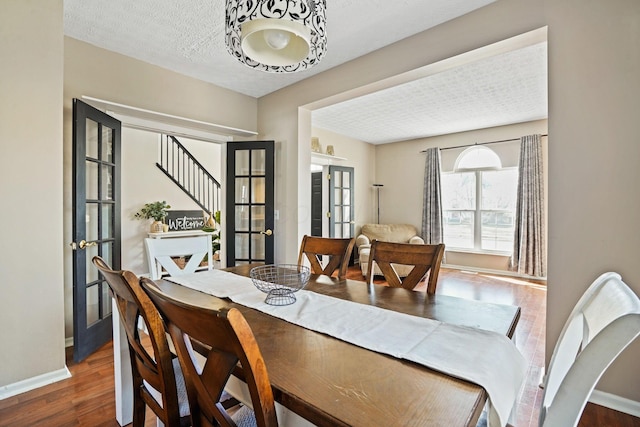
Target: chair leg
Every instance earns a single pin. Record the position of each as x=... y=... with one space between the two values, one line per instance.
x=139 y=410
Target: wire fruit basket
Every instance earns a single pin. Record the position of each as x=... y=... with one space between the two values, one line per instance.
x=280 y=281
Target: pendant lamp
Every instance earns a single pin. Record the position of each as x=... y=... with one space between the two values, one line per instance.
x=276 y=36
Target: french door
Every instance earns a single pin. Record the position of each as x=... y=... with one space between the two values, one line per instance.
x=250 y=203
x=96 y=223
x=341 y=198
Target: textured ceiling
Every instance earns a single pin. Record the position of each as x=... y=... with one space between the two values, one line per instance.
x=187 y=36
x=503 y=89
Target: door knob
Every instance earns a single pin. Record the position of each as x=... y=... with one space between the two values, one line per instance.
x=83 y=244
x=267 y=233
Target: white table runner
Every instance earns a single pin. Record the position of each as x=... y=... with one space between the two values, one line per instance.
x=486 y=358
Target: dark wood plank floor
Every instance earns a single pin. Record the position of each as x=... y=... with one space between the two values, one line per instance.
x=87 y=399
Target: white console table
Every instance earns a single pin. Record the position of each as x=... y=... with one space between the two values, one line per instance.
x=184 y=233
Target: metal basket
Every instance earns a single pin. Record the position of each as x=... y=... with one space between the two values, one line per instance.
x=280 y=281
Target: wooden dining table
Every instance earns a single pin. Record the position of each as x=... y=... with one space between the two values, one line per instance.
x=330 y=382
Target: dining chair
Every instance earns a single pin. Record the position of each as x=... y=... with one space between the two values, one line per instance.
x=604 y=321
x=424 y=259
x=338 y=250
x=158 y=381
x=161 y=254
x=228 y=340
x=602 y=324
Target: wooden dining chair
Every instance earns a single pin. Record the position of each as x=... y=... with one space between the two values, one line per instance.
x=161 y=254
x=230 y=345
x=338 y=250
x=158 y=381
x=424 y=259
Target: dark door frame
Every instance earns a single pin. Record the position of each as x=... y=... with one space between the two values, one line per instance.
x=251 y=234
x=106 y=212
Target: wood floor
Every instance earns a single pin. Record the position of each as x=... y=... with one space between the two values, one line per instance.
x=87 y=399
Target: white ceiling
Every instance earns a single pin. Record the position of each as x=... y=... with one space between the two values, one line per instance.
x=507 y=88
x=187 y=36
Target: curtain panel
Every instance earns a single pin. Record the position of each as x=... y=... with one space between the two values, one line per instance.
x=530 y=246
x=432 y=199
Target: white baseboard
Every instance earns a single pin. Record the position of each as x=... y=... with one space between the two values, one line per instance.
x=34 y=382
x=616 y=403
x=68 y=342
x=491 y=271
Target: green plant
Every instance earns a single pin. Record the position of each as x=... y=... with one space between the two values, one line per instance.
x=155 y=210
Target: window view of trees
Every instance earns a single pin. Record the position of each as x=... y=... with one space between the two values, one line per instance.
x=479 y=208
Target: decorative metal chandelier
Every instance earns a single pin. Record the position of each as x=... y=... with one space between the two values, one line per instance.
x=276 y=36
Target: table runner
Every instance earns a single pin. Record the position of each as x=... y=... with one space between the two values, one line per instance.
x=486 y=358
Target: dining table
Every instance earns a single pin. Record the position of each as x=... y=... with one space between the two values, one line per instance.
x=331 y=382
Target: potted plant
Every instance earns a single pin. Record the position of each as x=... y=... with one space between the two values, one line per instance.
x=156 y=211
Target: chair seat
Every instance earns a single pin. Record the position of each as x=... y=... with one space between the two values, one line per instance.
x=181 y=388
x=183 y=400
x=244 y=417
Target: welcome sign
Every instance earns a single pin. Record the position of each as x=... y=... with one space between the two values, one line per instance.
x=185 y=220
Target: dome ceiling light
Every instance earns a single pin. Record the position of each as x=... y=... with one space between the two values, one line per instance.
x=276 y=36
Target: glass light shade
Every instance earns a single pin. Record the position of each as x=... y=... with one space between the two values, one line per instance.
x=258 y=33
x=276 y=36
x=277 y=39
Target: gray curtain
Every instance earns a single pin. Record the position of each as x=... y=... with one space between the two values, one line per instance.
x=530 y=246
x=432 y=199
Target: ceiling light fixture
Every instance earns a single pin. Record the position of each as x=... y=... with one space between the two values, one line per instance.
x=277 y=36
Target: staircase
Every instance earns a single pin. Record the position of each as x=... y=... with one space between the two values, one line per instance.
x=187 y=173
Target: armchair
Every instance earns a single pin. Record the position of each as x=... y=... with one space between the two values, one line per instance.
x=395 y=233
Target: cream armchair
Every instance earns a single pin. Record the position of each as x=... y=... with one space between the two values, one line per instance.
x=396 y=233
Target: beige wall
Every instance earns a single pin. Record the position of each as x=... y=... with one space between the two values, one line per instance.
x=284 y=115
x=594 y=98
x=101 y=74
x=144 y=183
x=361 y=157
x=31 y=294
x=400 y=167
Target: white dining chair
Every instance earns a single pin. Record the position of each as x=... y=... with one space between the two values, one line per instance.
x=602 y=324
x=160 y=254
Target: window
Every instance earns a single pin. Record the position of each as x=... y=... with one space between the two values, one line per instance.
x=479 y=202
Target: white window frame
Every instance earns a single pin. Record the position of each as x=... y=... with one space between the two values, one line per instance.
x=477 y=220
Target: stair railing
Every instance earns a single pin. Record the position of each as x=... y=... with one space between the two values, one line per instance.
x=187 y=173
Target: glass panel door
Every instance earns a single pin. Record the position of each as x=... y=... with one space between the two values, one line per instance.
x=341 y=197
x=96 y=223
x=250 y=202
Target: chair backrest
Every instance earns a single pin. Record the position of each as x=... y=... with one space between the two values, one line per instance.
x=603 y=323
x=231 y=341
x=160 y=253
x=338 y=251
x=424 y=259
x=151 y=365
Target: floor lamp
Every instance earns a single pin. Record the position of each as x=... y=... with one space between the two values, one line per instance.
x=377 y=187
